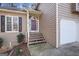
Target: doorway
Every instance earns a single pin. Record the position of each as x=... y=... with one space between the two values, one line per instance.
x=34 y=25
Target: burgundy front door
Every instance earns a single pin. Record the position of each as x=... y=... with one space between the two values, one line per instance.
x=33 y=25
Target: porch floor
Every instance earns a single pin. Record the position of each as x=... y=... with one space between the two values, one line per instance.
x=45 y=49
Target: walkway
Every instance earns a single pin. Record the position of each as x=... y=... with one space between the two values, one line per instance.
x=47 y=50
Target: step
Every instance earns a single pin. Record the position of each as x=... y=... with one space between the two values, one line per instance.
x=34 y=43
x=37 y=40
x=36 y=35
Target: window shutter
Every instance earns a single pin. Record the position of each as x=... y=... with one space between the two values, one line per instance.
x=2 y=23
x=20 y=24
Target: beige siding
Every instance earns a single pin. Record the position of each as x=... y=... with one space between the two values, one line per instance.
x=64 y=12
x=48 y=22
x=11 y=37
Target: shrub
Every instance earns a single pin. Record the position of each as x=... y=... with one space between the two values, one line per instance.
x=20 y=38
x=17 y=51
x=1 y=42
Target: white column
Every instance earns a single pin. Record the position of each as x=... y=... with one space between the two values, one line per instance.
x=57 y=28
x=38 y=22
x=28 y=28
x=10 y=44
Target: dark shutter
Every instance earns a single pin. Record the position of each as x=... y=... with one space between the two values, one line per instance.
x=20 y=24
x=2 y=23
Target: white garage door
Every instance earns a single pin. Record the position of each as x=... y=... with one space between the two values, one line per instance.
x=67 y=31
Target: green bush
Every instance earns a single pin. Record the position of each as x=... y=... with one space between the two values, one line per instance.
x=17 y=51
x=1 y=42
x=20 y=38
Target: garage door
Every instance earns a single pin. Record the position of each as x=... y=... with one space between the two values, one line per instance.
x=67 y=31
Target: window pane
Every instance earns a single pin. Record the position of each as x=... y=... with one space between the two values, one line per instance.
x=9 y=24
x=15 y=24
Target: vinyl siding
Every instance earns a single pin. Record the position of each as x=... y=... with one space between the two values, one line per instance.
x=64 y=11
x=48 y=22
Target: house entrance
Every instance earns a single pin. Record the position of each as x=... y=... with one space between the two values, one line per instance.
x=34 y=24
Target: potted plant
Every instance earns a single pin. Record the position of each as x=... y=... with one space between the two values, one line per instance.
x=1 y=42
x=20 y=38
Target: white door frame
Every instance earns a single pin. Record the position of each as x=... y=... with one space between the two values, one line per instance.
x=37 y=25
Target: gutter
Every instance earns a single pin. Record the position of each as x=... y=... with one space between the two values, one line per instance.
x=12 y=11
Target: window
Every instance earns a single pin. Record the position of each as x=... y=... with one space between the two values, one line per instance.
x=11 y=24
x=15 y=24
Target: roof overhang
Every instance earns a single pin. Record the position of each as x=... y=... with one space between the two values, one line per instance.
x=12 y=11
x=31 y=11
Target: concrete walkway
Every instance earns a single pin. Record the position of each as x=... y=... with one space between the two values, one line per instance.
x=45 y=49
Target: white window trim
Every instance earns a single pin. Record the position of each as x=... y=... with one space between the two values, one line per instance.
x=12 y=23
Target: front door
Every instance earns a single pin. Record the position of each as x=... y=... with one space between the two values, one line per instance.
x=34 y=25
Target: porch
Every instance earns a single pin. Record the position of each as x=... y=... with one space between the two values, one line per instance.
x=34 y=35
